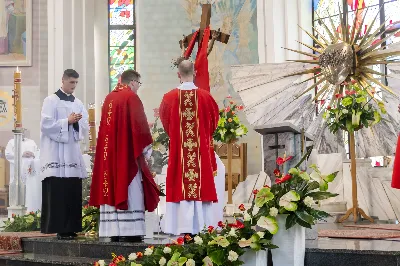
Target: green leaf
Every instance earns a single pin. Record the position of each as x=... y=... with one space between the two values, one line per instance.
x=305 y=217
x=347 y=101
x=302 y=223
x=313 y=185
x=361 y=99
x=323 y=186
x=255 y=246
x=294 y=171
x=290 y=221
x=263 y=196
x=331 y=177
x=217 y=256
x=317 y=214
x=305 y=176
x=321 y=195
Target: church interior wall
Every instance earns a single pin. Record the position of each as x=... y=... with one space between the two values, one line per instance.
x=34 y=77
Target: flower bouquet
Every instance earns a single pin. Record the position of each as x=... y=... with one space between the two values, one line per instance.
x=293 y=195
x=229 y=127
x=159 y=156
x=353 y=111
x=26 y=223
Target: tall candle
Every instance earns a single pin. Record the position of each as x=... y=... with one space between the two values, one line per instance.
x=17 y=100
x=92 y=127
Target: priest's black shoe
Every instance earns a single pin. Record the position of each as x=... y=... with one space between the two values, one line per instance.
x=131 y=239
x=64 y=236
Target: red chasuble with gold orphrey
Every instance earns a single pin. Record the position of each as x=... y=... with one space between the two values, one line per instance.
x=123 y=135
x=190 y=118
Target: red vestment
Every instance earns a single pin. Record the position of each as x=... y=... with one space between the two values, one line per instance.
x=123 y=135
x=190 y=118
x=396 y=167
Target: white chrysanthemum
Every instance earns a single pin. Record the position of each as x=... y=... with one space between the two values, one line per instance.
x=233 y=256
x=132 y=256
x=308 y=201
x=273 y=211
x=167 y=250
x=38 y=215
x=148 y=251
x=162 y=261
x=198 y=240
x=261 y=234
x=190 y=262
x=247 y=217
x=207 y=261
x=12 y=220
x=101 y=262
x=232 y=232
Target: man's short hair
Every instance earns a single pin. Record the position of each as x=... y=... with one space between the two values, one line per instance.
x=129 y=75
x=70 y=73
x=186 y=68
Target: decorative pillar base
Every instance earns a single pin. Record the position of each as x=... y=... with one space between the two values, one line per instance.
x=17 y=210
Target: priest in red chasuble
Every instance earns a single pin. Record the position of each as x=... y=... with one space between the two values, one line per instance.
x=122 y=184
x=189 y=116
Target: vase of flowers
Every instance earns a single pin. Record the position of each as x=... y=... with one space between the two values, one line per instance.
x=229 y=129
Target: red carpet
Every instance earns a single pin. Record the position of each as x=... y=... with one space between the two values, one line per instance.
x=359 y=234
x=11 y=241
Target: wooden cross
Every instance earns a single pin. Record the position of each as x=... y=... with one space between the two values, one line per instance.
x=205 y=22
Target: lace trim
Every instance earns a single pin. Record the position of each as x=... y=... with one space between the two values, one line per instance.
x=59 y=165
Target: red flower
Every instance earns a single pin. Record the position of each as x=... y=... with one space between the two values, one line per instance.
x=322 y=102
x=31 y=213
x=96 y=263
x=210 y=229
x=229 y=96
x=240 y=107
x=231 y=102
x=180 y=241
x=277 y=172
x=241 y=207
x=329 y=108
x=187 y=238
x=353 y=81
x=377 y=164
x=168 y=245
x=118 y=259
x=283 y=179
x=156 y=112
x=13 y=215
x=227 y=109
x=221 y=224
x=237 y=225
x=280 y=160
x=112 y=264
x=151 y=125
x=139 y=255
x=152 y=247
x=347 y=92
x=338 y=95
x=255 y=191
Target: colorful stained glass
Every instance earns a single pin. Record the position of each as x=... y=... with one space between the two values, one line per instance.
x=370 y=14
x=121 y=12
x=122 y=56
x=116 y=71
x=122 y=38
x=324 y=8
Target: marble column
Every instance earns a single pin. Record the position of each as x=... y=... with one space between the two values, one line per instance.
x=101 y=55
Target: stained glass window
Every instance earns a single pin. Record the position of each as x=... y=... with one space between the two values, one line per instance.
x=121 y=38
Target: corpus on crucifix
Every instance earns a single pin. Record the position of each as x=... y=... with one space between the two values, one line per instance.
x=202 y=37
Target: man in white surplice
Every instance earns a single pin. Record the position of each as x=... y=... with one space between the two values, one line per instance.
x=64 y=122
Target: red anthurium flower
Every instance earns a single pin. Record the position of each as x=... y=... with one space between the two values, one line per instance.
x=283 y=179
x=227 y=109
x=277 y=172
x=338 y=95
x=221 y=224
x=241 y=207
x=237 y=225
x=210 y=229
x=112 y=264
x=329 y=108
x=96 y=263
x=231 y=102
x=168 y=245
x=13 y=215
x=180 y=241
x=353 y=81
x=347 y=92
x=280 y=160
x=139 y=255
x=156 y=112
x=240 y=107
x=255 y=191
x=229 y=96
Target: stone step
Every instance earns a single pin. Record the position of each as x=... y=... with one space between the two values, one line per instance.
x=88 y=248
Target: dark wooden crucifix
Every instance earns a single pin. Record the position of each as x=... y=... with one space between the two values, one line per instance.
x=205 y=22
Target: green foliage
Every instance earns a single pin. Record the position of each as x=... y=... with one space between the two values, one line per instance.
x=27 y=223
x=353 y=111
x=229 y=126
